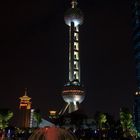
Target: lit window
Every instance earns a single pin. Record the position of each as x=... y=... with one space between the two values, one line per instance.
x=76 y=55
x=76 y=36
x=76 y=28
x=76 y=46
x=75 y=65
x=76 y=76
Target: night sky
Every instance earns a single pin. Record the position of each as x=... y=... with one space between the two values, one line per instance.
x=34 y=54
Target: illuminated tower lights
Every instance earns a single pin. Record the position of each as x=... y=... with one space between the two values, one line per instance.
x=25 y=110
x=136 y=46
x=25 y=101
x=73 y=93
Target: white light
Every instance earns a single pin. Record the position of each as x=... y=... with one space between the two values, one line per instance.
x=76 y=22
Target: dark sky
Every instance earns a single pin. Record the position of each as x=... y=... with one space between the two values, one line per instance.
x=34 y=48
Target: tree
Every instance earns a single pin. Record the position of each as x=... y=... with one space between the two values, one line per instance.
x=126 y=121
x=100 y=119
x=5 y=116
x=111 y=126
x=37 y=117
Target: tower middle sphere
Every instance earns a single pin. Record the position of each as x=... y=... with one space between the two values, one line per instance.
x=74 y=15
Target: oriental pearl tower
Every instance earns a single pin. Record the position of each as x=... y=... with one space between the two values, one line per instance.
x=73 y=92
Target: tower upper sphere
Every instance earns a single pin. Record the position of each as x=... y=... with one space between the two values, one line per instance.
x=74 y=15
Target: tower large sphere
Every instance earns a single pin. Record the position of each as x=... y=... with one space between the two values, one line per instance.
x=74 y=15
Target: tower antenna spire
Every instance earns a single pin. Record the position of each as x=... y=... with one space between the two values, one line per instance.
x=26 y=90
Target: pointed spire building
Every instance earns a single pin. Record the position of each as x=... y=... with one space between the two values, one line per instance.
x=73 y=93
x=24 y=110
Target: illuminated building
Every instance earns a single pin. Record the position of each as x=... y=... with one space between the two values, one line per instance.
x=136 y=46
x=32 y=121
x=73 y=93
x=25 y=110
x=52 y=114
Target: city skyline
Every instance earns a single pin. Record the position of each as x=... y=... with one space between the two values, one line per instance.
x=34 y=47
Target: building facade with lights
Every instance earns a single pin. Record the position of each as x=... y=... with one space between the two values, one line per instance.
x=136 y=46
x=25 y=112
x=73 y=93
